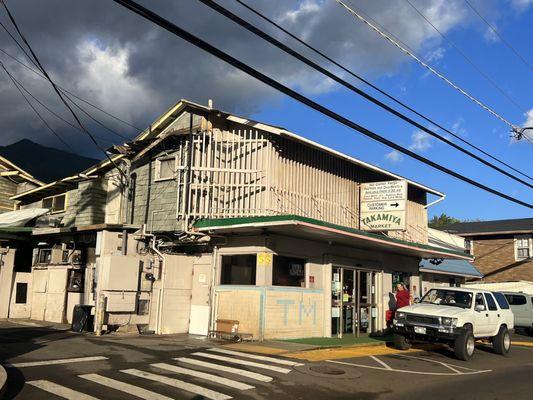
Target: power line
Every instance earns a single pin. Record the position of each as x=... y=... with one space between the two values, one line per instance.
x=493 y=29
x=468 y=59
x=40 y=66
x=66 y=92
x=411 y=54
x=35 y=110
x=370 y=84
x=196 y=41
x=50 y=110
x=215 y=6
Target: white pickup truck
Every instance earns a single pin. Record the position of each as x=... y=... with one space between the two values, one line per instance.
x=457 y=317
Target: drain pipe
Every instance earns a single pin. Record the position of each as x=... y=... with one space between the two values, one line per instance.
x=162 y=271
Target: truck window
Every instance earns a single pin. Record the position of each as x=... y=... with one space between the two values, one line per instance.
x=502 y=301
x=479 y=300
x=491 y=302
x=516 y=299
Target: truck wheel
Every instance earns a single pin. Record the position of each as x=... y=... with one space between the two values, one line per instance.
x=464 y=346
x=400 y=342
x=501 y=343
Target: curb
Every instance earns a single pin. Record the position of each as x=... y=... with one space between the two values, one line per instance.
x=3 y=380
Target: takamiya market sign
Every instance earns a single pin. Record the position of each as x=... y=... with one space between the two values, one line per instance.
x=383 y=205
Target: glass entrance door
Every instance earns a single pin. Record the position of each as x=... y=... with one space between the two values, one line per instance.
x=353 y=302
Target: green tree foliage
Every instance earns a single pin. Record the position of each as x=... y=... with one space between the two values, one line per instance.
x=442 y=221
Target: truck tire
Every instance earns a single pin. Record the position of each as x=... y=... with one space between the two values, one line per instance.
x=501 y=343
x=464 y=345
x=400 y=342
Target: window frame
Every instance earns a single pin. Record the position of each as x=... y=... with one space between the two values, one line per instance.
x=222 y=275
x=305 y=266
x=53 y=198
x=158 y=163
x=518 y=239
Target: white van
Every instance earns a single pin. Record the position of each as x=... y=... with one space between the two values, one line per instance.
x=522 y=308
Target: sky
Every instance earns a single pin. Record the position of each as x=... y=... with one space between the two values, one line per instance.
x=135 y=70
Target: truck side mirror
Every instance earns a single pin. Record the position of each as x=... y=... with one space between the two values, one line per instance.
x=479 y=307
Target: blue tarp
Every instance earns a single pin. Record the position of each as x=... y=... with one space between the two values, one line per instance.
x=450 y=267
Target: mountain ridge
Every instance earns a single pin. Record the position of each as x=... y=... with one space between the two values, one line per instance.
x=47 y=164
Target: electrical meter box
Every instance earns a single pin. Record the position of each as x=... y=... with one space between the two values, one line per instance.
x=119 y=278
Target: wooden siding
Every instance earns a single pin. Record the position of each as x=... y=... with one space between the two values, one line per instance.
x=241 y=171
x=7 y=189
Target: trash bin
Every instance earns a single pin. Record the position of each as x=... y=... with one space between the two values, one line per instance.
x=82 y=320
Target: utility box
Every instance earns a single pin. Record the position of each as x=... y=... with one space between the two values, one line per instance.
x=119 y=279
x=120 y=273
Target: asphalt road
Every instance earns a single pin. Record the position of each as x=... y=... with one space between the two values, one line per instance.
x=163 y=368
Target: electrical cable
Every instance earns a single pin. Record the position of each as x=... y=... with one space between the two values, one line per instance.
x=35 y=110
x=493 y=29
x=216 y=7
x=52 y=111
x=65 y=90
x=56 y=89
x=468 y=59
x=370 y=84
x=411 y=54
x=196 y=41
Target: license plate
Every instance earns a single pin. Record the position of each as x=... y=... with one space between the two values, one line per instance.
x=420 y=329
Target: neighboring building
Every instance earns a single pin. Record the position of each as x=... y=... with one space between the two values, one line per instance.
x=207 y=216
x=13 y=180
x=14 y=268
x=502 y=249
x=446 y=272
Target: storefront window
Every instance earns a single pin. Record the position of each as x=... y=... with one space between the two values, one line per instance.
x=288 y=271
x=238 y=269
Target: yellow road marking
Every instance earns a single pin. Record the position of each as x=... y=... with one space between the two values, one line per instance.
x=526 y=344
x=251 y=348
x=352 y=352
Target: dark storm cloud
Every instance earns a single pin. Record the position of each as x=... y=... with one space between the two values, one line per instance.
x=135 y=70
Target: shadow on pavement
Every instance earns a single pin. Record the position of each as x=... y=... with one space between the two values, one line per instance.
x=19 y=340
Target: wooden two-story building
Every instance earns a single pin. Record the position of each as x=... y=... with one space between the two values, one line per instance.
x=207 y=216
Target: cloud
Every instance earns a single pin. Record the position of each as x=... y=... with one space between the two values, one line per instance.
x=527 y=124
x=521 y=5
x=420 y=141
x=394 y=157
x=435 y=55
x=130 y=67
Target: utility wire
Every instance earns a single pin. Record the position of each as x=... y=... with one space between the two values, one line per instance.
x=493 y=29
x=468 y=59
x=216 y=7
x=370 y=84
x=52 y=111
x=35 y=110
x=56 y=89
x=411 y=54
x=18 y=43
x=67 y=94
x=196 y=41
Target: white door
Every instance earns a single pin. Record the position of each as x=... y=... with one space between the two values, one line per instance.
x=200 y=307
x=481 y=318
x=494 y=314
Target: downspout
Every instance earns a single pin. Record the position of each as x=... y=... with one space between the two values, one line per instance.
x=212 y=292
x=162 y=271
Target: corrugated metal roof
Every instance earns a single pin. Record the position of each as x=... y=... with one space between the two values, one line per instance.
x=451 y=267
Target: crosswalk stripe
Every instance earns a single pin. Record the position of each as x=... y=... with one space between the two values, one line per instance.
x=243 y=362
x=208 y=377
x=53 y=362
x=231 y=370
x=189 y=387
x=125 y=387
x=257 y=357
x=60 y=391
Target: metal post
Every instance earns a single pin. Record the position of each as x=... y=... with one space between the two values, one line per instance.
x=100 y=310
